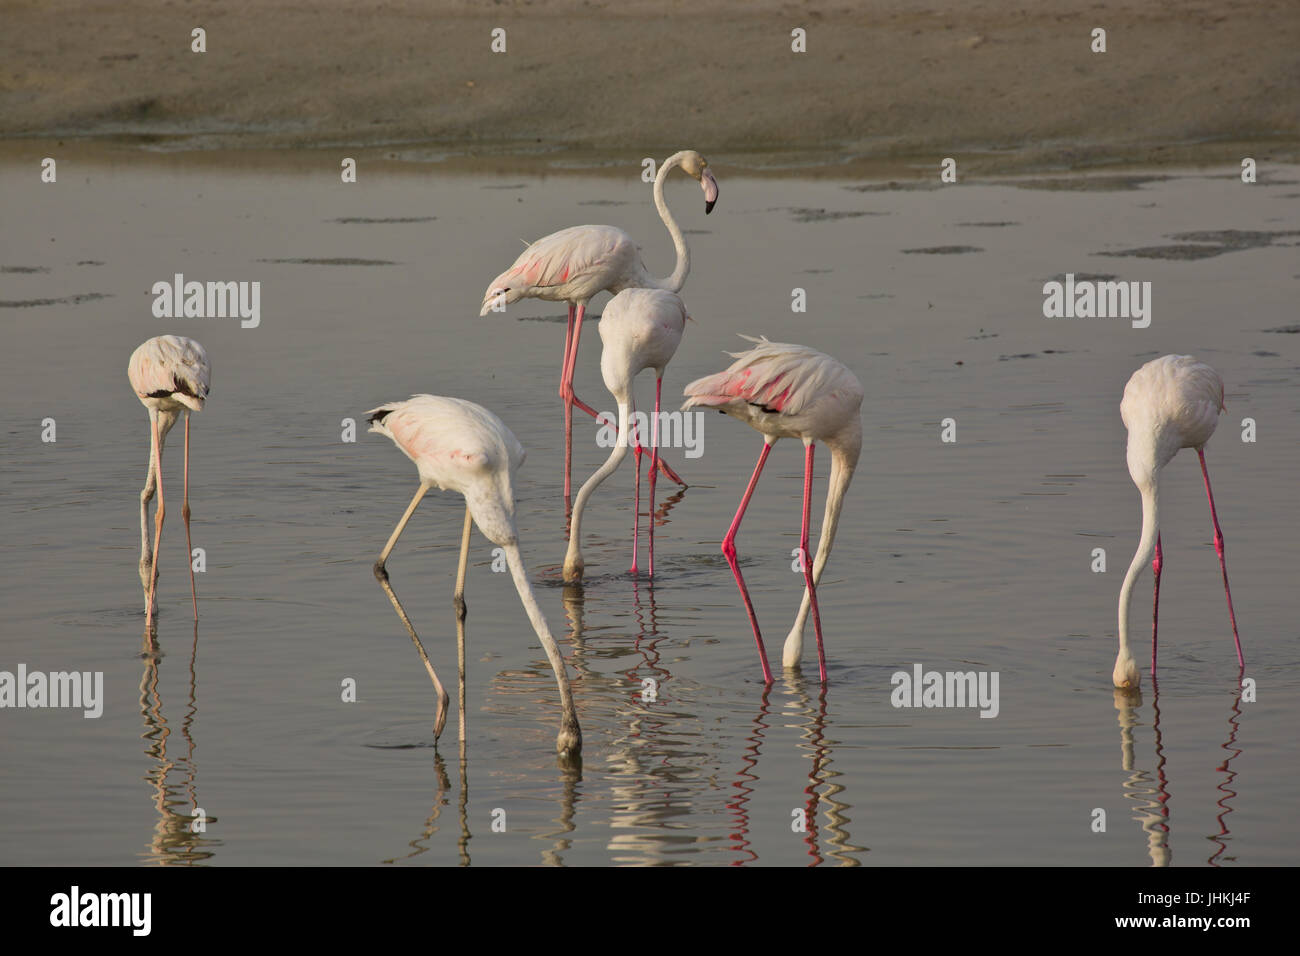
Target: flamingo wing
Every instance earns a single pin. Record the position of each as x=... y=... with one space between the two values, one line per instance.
x=777 y=377
x=562 y=258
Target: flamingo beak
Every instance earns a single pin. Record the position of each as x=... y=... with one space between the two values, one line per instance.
x=494 y=301
x=710 y=187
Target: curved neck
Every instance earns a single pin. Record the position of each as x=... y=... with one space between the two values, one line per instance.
x=1146 y=548
x=682 y=269
x=167 y=417
x=573 y=557
x=844 y=460
x=843 y=464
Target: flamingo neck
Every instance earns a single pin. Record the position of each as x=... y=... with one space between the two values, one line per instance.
x=573 y=557
x=167 y=417
x=682 y=269
x=1150 y=490
x=535 y=617
x=527 y=597
x=843 y=464
x=844 y=449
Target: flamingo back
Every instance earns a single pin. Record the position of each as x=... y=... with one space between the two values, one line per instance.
x=458 y=446
x=640 y=329
x=782 y=389
x=1174 y=402
x=571 y=265
x=171 y=368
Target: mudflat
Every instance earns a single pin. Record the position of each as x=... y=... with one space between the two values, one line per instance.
x=1005 y=86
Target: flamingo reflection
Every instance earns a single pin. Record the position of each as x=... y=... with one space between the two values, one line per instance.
x=174 y=841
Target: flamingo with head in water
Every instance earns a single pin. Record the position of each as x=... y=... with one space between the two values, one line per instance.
x=1170 y=403
x=639 y=329
x=790 y=391
x=463 y=447
x=170 y=374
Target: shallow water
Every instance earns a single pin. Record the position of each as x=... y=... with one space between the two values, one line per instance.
x=967 y=555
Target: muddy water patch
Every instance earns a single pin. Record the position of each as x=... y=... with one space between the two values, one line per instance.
x=342 y=261
x=65 y=300
x=1206 y=244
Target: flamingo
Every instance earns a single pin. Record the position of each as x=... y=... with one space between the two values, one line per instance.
x=639 y=329
x=577 y=263
x=169 y=373
x=460 y=446
x=1170 y=403
x=790 y=391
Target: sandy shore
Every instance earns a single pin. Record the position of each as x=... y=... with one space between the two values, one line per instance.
x=1005 y=85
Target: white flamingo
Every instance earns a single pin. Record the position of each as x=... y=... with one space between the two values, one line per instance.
x=1170 y=403
x=639 y=329
x=169 y=373
x=463 y=447
x=790 y=391
x=577 y=263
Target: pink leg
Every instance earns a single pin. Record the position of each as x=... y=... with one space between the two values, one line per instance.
x=157 y=526
x=566 y=392
x=571 y=364
x=601 y=419
x=636 y=500
x=670 y=474
x=1218 y=546
x=654 y=473
x=1157 y=563
x=807 y=560
x=729 y=549
x=185 y=513
x=571 y=400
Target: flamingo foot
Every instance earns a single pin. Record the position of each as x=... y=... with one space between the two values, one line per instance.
x=667 y=471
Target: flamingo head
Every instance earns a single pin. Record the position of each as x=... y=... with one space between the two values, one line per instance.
x=698 y=167
x=498 y=296
x=1125 y=676
x=573 y=569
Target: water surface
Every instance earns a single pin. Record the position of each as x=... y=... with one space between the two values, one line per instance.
x=967 y=555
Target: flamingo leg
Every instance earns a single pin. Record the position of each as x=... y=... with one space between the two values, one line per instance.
x=654 y=472
x=185 y=513
x=460 y=620
x=566 y=393
x=571 y=400
x=566 y=386
x=729 y=550
x=636 y=497
x=462 y=566
x=670 y=474
x=807 y=562
x=661 y=465
x=381 y=575
x=1218 y=546
x=1157 y=563
x=146 y=496
x=460 y=697
x=157 y=523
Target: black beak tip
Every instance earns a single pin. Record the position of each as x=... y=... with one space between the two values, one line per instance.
x=708 y=206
